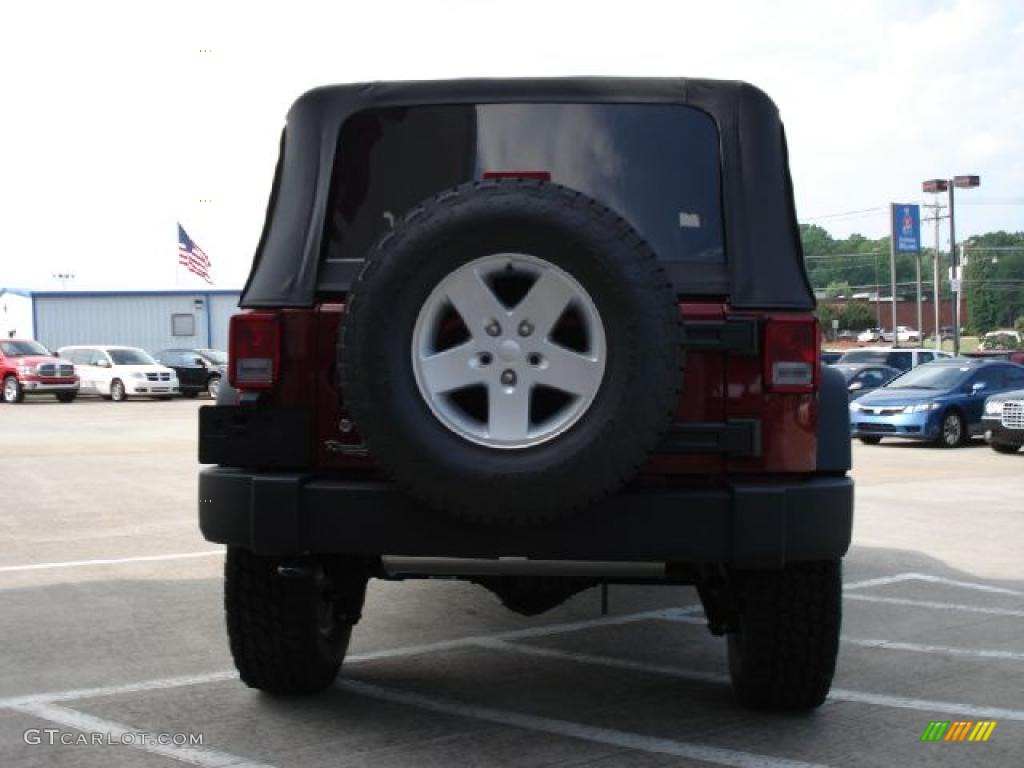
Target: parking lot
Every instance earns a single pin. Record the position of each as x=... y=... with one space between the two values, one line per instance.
x=111 y=616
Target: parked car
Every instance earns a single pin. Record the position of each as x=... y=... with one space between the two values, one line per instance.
x=870 y=335
x=862 y=378
x=941 y=402
x=831 y=356
x=846 y=335
x=1008 y=355
x=496 y=325
x=903 y=359
x=1004 y=421
x=29 y=368
x=198 y=370
x=906 y=334
x=1002 y=339
x=116 y=373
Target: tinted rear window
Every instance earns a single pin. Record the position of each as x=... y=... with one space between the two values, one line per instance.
x=656 y=165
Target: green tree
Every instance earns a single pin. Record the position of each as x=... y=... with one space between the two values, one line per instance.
x=857 y=316
x=982 y=302
x=826 y=314
x=838 y=289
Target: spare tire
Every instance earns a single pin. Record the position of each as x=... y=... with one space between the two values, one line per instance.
x=510 y=352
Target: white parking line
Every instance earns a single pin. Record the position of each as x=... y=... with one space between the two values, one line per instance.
x=942 y=650
x=403 y=651
x=881 y=581
x=890 y=645
x=115 y=561
x=614 y=738
x=965 y=584
x=937 y=605
x=117 y=732
x=837 y=694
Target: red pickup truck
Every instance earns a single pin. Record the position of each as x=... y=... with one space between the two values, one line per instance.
x=28 y=368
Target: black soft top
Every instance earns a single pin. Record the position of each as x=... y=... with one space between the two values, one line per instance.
x=765 y=262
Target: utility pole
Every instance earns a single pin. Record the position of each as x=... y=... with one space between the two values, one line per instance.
x=954 y=276
x=920 y=317
x=892 y=273
x=936 y=217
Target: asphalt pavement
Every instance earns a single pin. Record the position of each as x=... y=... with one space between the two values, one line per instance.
x=112 y=627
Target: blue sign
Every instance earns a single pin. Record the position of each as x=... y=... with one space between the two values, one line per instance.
x=906 y=227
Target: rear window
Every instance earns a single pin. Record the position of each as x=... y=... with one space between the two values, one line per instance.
x=656 y=165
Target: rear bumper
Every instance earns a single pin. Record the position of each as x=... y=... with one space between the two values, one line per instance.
x=747 y=525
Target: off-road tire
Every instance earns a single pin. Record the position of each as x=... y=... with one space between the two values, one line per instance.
x=870 y=440
x=12 y=390
x=1004 y=447
x=276 y=625
x=631 y=411
x=783 y=655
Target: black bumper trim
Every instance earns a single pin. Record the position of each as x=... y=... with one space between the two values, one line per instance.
x=749 y=525
x=995 y=431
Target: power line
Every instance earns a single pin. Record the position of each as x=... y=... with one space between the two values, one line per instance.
x=843 y=213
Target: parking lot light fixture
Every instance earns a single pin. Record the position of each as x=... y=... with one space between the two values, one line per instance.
x=950 y=185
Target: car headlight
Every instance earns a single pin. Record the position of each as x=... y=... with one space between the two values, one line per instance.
x=921 y=407
x=994 y=408
x=138 y=375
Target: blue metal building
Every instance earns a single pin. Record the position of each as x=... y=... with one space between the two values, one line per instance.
x=152 y=320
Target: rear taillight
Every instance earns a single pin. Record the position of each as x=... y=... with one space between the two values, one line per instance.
x=791 y=354
x=254 y=350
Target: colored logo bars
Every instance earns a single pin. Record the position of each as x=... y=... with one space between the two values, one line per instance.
x=958 y=730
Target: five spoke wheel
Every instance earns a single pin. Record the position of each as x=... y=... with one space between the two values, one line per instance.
x=509 y=351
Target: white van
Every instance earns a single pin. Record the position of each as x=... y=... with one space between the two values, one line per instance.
x=117 y=373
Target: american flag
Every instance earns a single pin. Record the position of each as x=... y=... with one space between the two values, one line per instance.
x=192 y=257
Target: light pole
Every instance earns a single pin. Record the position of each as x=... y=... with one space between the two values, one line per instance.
x=949 y=185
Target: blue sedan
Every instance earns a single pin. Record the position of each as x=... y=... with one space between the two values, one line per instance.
x=940 y=402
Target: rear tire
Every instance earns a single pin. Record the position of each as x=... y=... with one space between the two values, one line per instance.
x=13 y=392
x=1005 y=447
x=289 y=633
x=783 y=654
x=870 y=440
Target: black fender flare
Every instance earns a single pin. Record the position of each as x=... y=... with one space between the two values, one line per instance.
x=834 y=453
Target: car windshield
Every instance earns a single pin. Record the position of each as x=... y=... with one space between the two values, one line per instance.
x=130 y=357
x=23 y=348
x=848 y=371
x=215 y=356
x=932 y=377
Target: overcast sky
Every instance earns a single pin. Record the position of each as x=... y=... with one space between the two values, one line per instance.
x=117 y=122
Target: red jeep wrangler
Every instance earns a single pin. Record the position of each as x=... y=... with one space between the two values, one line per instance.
x=29 y=368
x=540 y=335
